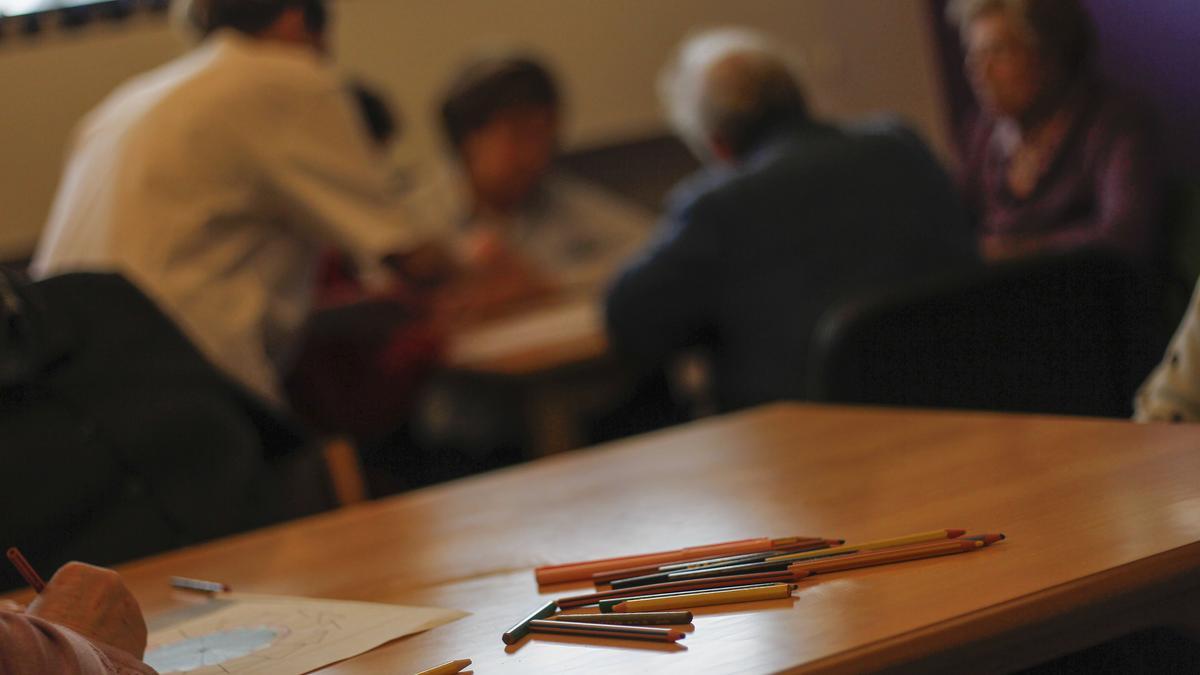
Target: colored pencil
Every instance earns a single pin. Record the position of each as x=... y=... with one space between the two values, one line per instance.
x=26 y=570
x=676 y=618
x=608 y=576
x=900 y=553
x=451 y=668
x=607 y=605
x=607 y=631
x=583 y=571
x=882 y=551
x=521 y=629
x=887 y=557
x=987 y=539
x=199 y=585
x=750 y=557
x=920 y=537
x=719 y=597
x=699 y=573
x=783 y=576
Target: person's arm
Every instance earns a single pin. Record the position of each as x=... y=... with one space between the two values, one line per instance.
x=32 y=645
x=494 y=279
x=332 y=184
x=666 y=298
x=85 y=622
x=1172 y=392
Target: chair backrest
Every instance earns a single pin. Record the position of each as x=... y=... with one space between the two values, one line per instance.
x=124 y=441
x=1065 y=335
x=1182 y=245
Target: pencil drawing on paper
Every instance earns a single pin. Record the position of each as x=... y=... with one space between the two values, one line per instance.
x=250 y=638
x=211 y=650
x=282 y=635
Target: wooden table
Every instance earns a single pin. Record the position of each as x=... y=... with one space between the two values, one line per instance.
x=1103 y=520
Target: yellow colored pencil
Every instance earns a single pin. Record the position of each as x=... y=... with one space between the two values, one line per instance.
x=451 y=668
x=723 y=597
x=871 y=545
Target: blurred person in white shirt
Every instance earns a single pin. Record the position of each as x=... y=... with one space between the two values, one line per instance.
x=213 y=182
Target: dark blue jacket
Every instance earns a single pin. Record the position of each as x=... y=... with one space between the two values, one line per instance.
x=749 y=257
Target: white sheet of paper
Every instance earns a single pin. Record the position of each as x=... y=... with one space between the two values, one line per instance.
x=526 y=331
x=283 y=635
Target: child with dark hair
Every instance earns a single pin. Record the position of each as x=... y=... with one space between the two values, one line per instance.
x=513 y=220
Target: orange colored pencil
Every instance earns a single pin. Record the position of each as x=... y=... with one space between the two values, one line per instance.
x=583 y=571
x=887 y=557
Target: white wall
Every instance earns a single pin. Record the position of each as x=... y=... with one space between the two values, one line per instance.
x=863 y=56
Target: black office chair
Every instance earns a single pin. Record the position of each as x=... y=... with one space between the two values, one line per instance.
x=119 y=440
x=1068 y=335
x=1182 y=249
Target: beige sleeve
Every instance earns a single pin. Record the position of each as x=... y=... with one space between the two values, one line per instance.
x=320 y=163
x=32 y=645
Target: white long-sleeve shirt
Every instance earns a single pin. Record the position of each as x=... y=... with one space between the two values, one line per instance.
x=212 y=182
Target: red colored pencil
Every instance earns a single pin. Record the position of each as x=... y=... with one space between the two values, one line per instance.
x=26 y=570
x=885 y=557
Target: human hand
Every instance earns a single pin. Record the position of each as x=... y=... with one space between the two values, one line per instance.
x=95 y=603
x=486 y=248
x=497 y=290
x=427 y=265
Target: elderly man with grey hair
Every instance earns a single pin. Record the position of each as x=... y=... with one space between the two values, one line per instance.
x=790 y=215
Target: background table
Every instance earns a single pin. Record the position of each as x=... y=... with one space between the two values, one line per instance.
x=1103 y=520
x=554 y=357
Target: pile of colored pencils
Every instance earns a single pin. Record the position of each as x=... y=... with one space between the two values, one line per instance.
x=634 y=593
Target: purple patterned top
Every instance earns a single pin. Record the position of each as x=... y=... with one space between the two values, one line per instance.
x=1096 y=182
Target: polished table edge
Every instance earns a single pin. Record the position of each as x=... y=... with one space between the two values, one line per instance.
x=1042 y=626
x=1065 y=614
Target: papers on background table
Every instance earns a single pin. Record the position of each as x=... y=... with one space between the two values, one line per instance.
x=243 y=633
x=529 y=330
